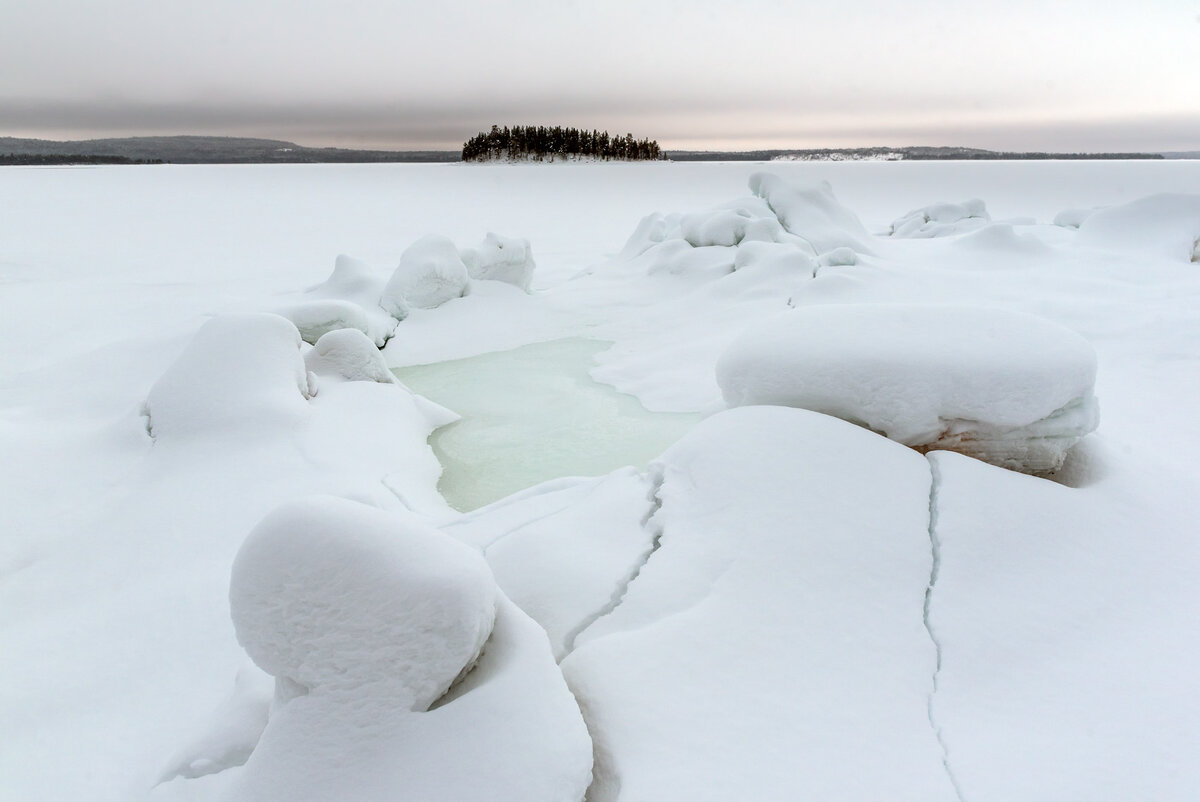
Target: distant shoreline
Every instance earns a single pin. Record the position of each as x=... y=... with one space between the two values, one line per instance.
x=238 y=150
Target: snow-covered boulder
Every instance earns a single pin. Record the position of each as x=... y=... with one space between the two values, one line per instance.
x=1073 y=218
x=350 y=355
x=812 y=213
x=334 y=598
x=354 y=282
x=430 y=273
x=316 y=318
x=1008 y=388
x=501 y=259
x=941 y=220
x=239 y=372
x=1165 y=226
x=366 y=618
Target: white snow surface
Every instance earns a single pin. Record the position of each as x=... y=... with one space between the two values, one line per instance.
x=1003 y=386
x=1063 y=612
x=430 y=273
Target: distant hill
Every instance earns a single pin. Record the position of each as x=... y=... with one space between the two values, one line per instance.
x=209 y=150
x=888 y=154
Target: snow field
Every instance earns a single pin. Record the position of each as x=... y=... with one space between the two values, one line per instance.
x=783 y=604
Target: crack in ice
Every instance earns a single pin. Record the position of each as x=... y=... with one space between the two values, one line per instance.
x=935 y=546
x=622 y=589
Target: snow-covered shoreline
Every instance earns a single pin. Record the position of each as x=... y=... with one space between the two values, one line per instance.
x=1047 y=604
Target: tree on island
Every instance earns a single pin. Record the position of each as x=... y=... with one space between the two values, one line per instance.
x=527 y=142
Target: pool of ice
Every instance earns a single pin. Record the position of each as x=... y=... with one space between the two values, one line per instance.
x=533 y=414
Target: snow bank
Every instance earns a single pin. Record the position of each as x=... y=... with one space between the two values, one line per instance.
x=812 y=213
x=366 y=618
x=315 y=318
x=773 y=645
x=336 y=598
x=1073 y=218
x=353 y=281
x=501 y=259
x=350 y=355
x=238 y=372
x=1005 y=387
x=941 y=220
x=1165 y=226
x=430 y=273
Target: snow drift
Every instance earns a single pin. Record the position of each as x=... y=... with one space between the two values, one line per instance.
x=941 y=220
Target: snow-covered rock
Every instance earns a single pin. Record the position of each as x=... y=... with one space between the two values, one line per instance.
x=430 y=273
x=773 y=645
x=239 y=372
x=500 y=258
x=812 y=213
x=334 y=598
x=941 y=220
x=1073 y=218
x=366 y=619
x=1005 y=387
x=316 y=318
x=353 y=281
x=350 y=355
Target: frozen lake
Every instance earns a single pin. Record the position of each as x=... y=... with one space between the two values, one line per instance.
x=531 y=414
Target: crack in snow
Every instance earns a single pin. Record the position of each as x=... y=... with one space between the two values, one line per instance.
x=622 y=589
x=935 y=546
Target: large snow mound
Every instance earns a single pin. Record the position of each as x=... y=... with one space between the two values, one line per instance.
x=333 y=597
x=238 y=372
x=430 y=273
x=812 y=213
x=1165 y=226
x=501 y=259
x=1005 y=387
x=366 y=618
x=774 y=640
x=941 y=220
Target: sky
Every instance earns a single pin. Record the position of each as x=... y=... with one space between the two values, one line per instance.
x=1071 y=75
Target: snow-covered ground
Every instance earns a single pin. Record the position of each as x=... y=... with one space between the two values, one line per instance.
x=783 y=604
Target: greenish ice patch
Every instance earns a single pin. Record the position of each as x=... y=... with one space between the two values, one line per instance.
x=533 y=414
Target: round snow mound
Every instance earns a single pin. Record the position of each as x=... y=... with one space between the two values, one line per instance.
x=314 y=319
x=1009 y=388
x=348 y=354
x=336 y=598
x=430 y=273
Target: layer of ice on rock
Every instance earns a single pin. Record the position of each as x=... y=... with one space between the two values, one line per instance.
x=366 y=618
x=501 y=259
x=239 y=372
x=812 y=213
x=941 y=220
x=353 y=281
x=1165 y=226
x=430 y=273
x=349 y=355
x=785 y=598
x=316 y=318
x=1005 y=387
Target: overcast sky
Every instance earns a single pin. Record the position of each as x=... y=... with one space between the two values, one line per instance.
x=1044 y=75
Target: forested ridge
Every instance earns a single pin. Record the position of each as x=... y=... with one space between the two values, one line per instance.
x=522 y=142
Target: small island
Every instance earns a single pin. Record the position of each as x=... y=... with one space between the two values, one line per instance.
x=540 y=143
